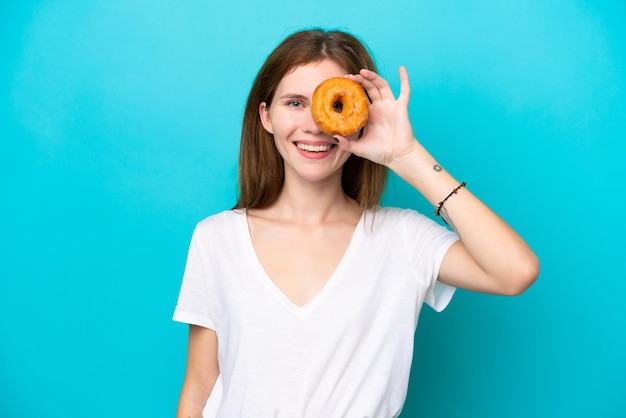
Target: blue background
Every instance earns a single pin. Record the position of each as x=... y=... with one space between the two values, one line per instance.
x=119 y=131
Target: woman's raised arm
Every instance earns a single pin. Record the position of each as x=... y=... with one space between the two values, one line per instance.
x=490 y=256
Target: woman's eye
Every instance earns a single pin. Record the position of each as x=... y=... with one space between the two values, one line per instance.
x=295 y=103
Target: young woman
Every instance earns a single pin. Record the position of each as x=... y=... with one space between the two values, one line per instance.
x=304 y=299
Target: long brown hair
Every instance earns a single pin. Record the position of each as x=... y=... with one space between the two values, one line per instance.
x=261 y=168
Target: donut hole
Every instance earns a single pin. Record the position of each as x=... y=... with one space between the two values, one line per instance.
x=338 y=106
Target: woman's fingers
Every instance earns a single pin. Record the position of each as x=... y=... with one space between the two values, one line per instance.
x=373 y=92
x=374 y=82
x=378 y=88
x=375 y=86
x=405 y=86
x=345 y=144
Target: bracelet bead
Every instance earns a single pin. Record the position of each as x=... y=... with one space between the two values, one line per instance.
x=456 y=189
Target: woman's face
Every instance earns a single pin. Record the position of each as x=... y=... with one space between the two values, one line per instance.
x=307 y=152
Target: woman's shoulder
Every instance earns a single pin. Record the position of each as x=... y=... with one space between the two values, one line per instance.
x=221 y=220
x=393 y=213
x=409 y=225
x=399 y=220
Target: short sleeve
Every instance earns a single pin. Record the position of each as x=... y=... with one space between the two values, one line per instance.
x=439 y=295
x=430 y=242
x=193 y=306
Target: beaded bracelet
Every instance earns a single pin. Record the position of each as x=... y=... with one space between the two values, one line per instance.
x=438 y=210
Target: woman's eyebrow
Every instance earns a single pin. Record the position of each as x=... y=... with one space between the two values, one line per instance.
x=294 y=96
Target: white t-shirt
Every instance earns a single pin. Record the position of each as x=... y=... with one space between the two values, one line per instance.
x=348 y=352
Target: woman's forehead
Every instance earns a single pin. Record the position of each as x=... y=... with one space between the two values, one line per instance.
x=308 y=76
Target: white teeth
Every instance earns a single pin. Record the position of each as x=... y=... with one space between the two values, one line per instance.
x=314 y=148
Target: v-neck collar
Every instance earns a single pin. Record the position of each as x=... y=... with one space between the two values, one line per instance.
x=331 y=283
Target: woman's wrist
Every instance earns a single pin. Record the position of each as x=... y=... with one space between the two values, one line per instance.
x=420 y=169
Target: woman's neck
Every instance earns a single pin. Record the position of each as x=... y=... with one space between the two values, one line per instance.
x=312 y=203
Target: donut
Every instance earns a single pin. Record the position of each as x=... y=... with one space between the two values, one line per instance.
x=339 y=106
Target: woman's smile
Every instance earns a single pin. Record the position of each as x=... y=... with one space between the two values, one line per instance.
x=315 y=149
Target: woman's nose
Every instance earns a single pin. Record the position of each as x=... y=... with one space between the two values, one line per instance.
x=309 y=124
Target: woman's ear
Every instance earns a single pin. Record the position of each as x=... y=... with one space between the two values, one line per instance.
x=264 y=114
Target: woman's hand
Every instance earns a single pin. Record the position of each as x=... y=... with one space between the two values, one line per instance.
x=490 y=257
x=388 y=133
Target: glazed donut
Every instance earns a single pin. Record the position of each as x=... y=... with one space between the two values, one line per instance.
x=339 y=106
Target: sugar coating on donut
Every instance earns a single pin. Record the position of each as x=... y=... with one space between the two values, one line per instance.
x=339 y=106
